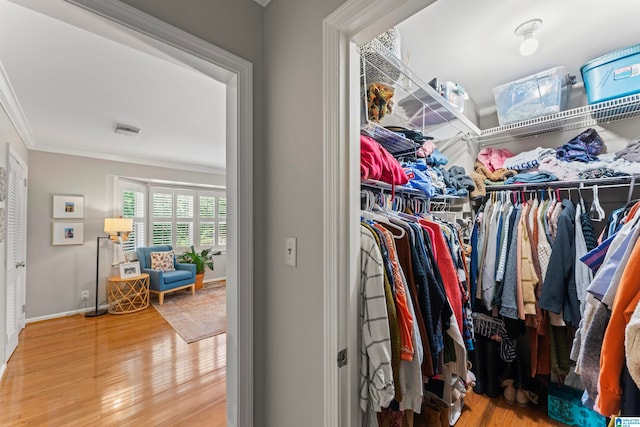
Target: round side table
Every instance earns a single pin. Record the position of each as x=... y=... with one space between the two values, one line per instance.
x=128 y=295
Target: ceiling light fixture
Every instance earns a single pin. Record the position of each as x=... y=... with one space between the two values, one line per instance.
x=529 y=43
x=127 y=130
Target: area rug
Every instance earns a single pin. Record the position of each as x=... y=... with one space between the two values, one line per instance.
x=195 y=317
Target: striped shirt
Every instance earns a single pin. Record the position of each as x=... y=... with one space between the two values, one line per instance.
x=376 y=374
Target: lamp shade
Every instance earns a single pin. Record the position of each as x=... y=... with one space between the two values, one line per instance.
x=118 y=225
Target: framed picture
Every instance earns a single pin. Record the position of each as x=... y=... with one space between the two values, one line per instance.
x=129 y=269
x=68 y=206
x=67 y=233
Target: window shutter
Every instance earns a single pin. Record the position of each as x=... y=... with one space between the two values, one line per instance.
x=207 y=233
x=161 y=233
x=207 y=207
x=162 y=205
x=222 y=233
x=184 y=206
x=184 y=234
x=133 y=206
x=222 y=207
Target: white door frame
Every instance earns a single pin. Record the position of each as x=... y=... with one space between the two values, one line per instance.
x=356 y=21
x=17 y=270
x=239 y=181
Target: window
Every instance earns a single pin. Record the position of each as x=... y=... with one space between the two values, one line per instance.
x=175 y=216
x=133 y=206
x=212 y=219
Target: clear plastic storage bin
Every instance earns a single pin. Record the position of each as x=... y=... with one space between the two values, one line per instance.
x=533 y=96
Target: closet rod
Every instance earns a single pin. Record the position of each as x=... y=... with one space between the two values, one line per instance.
x=620 y=181
x=406 y=191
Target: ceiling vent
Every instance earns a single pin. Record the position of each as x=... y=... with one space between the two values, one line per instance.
x=127 y=130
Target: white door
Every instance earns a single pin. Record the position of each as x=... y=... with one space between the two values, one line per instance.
x=16 y=249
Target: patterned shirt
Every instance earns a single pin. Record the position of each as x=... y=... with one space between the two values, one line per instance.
x=376 y=374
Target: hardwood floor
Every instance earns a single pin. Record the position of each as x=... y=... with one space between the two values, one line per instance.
x=480 y=410
x=113 y=370
x=134 y=370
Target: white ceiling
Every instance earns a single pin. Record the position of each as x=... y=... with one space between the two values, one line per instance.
x=76 y=75
x=472 y=42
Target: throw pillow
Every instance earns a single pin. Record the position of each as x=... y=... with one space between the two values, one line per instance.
x=162 y=261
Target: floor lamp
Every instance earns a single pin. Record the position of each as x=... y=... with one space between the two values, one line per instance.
x=118 y=230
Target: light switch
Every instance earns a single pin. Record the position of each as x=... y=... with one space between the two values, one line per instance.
x=290 y=252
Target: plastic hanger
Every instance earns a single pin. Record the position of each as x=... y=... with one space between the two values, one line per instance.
x=584 y=210
x=378 y=214
x=631 y=185
x=596 y=212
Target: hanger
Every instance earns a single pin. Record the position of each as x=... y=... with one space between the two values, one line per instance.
x=632 y=184
x=596 y=212
x=584 y=210
x=380 y=214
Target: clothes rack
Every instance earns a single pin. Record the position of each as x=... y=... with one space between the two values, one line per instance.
x=621 y=181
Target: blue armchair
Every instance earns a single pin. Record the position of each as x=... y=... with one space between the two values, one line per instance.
x=161 y=282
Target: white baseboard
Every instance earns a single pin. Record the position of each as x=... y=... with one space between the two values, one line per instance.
x=62 y=314
x=3 y=369
x=216 y=279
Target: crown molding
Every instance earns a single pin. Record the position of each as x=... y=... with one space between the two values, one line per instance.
x=13 y=108
x=263 y=3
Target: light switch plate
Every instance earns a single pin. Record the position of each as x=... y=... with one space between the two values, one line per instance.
x=290 y=251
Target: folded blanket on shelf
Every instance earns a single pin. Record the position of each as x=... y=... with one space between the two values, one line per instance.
x=436 y=158
x=532 y=177
x=601 y=173
x=376 y=163
x=631 y=152
x=482 y=173
x=528 y=159
x=493 y=158
x=560 y=169
x=585 y=147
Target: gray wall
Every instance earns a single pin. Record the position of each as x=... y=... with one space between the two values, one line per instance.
x=294 y=323
x=57 y=274
x=8 y=135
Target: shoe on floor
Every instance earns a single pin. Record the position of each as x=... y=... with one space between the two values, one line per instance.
x=524 y=397
x=509 y=392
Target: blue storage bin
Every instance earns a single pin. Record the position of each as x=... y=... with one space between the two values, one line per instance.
x=565 y=405
x=613 y=75
x=533 y=96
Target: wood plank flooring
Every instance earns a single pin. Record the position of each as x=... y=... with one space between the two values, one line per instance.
x=134 y=370
x=480 y=410
x=113 y=370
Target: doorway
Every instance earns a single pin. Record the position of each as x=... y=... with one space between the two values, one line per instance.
x=355 y=22
x=16 y=198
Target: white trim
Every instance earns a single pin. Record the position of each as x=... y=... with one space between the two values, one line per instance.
x=63 y=314
x=239 y=182
x=3 y=369
x=127 y=159
x=355 y=21
x=331 y=242
x=263 y=3
x=14 y=110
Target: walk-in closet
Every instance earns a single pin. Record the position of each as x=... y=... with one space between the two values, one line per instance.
x=499 y=197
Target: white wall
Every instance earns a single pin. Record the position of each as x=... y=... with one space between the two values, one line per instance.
x=57 y=274
x=8 y=134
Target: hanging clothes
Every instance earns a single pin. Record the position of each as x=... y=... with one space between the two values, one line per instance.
x=417 y=274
